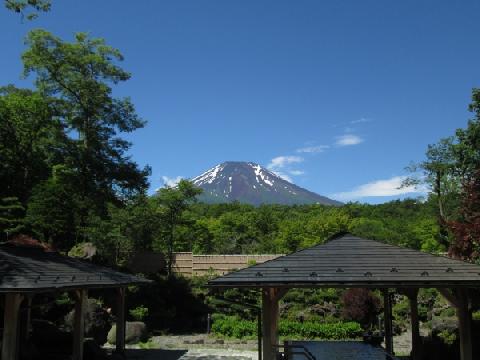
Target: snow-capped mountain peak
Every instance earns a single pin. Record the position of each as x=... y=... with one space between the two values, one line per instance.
x=251 y=183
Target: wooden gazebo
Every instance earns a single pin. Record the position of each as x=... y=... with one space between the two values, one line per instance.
x=27 y=271
x=347 y=261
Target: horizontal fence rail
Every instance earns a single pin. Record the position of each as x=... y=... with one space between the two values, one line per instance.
x=188 y=264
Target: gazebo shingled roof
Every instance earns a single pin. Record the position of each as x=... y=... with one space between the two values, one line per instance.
x=350 y=261
x=26 y=271
x=30 y=269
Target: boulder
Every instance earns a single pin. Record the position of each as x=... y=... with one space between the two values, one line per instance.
x=84 y=250
x=135 y=332
x=97 y=321
x=440 y=324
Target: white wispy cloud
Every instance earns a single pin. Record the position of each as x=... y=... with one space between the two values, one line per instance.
x=348 y=140
x=380 y=188
x=171 y=182
x=296 y=172
x=280 y=162
x=361 y=120
x=313 y=149
x=283 y=176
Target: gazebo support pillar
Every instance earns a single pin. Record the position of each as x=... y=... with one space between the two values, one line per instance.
x=11 y=326
x=464 y=325
x=271 y=315
x=387 y=308
x=412 y=295
x=460 y=300
x=120 y=325
x=28 y=318
x=79 y=323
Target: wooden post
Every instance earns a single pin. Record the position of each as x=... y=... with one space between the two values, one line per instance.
x=387 y=308
x=460 y=300
x=10 y=327
x=412 y=295
x=25 y=317
x=270 y=311
x=79 y=323
x=464 y=325
x=120 y=325
x=259 y=334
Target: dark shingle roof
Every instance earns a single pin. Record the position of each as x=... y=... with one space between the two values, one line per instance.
x=350 y=261
x=28 y=269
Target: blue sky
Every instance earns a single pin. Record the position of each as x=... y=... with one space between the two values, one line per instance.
x=339 y=96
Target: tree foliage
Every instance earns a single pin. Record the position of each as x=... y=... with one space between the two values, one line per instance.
x=61 y=147
x=79 y=77
x=450 y=169
x=361 y=305
x=173 y=203
x=28 y=8
x=11 y=214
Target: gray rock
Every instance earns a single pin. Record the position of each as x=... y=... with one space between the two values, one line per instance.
x=441 y=324
x=135 y=332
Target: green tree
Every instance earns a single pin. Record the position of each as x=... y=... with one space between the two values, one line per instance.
x=79 y=77
x=31 y=141
x=450 y=165
x=28 y=8
x=53 y=209
x=124 y=230
x=11 y=217
x=173 y=203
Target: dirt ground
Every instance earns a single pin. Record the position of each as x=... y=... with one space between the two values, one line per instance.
x=193 y=347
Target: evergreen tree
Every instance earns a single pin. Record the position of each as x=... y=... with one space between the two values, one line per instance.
x=11 y=217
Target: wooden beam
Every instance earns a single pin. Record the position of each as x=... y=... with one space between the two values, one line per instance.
x=459 y=299
x=449 y=296
x=412 y=295
x=271 y=314
x=79 y=323
x=120 y=325
x=10 y=327
x=387 y=308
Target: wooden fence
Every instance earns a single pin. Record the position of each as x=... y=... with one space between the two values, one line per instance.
x=187 y=264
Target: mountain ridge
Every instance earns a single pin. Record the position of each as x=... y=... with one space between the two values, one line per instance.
x=250 y=183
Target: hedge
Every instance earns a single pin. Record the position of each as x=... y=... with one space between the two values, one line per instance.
x=233 y=327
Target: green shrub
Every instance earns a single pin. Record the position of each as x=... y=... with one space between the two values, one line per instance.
x=234 y=327
x=139 y=313
x=447 y=337
x=317 y=330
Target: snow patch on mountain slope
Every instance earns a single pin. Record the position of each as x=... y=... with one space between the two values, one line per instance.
x=208 y=176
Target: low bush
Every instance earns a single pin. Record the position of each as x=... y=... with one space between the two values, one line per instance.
x=234 y=327
x=139 y=313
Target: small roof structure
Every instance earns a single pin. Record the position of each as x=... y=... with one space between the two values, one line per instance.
x=346 y=260
x=32 y=269
x=29 y=270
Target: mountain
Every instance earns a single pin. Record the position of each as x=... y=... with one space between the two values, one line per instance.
x=250 y=183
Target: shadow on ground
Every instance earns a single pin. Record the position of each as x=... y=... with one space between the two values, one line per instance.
x=159 y=354
x=154 y=354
